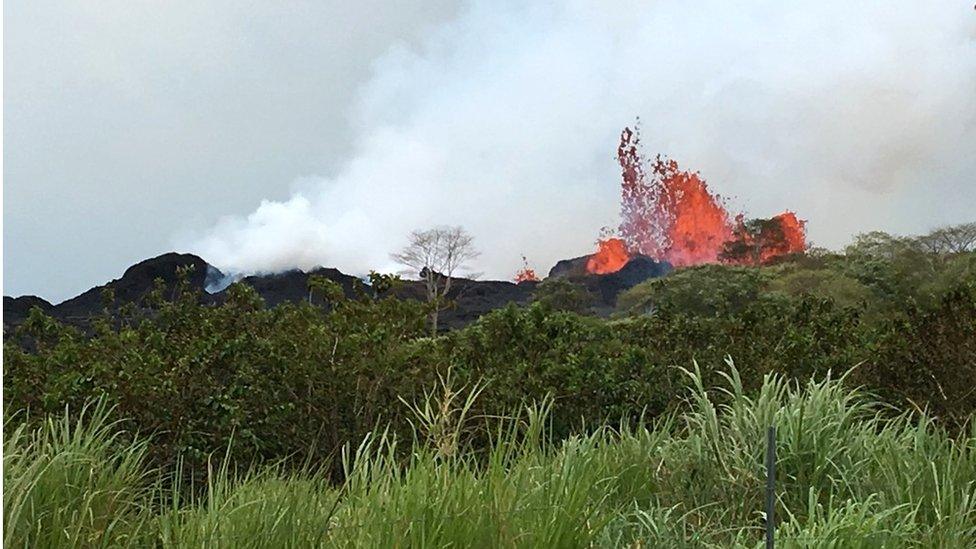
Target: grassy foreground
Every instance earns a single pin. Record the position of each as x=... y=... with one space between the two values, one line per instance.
x=848 y=476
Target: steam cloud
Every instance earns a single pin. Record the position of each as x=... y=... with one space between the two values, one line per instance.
x=506 y=120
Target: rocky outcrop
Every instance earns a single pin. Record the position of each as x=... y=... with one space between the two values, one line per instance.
x=136 y=282
x=607 y=287
x=16 y=309
x=471 y=298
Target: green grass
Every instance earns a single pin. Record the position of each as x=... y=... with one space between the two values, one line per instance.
x=848 y=476
x=70 y=483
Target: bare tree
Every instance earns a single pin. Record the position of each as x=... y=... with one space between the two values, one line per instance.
x=950 y=240
x=436 y=255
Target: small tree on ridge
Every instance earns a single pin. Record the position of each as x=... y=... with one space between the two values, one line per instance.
x=436 y=255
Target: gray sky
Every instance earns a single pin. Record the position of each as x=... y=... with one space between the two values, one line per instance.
x=128 y=122
x=264 y=137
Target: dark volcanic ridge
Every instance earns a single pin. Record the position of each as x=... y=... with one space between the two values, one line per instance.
x=471 y=298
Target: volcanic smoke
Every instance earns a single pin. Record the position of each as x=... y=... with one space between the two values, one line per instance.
x=859 y=125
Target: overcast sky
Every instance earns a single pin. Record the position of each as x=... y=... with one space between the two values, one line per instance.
x=127 y=123
x=281 y=134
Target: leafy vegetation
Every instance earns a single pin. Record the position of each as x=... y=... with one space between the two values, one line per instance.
x=847 y=477
x=241 y=424
x=561 y=294
x=299 y=381
x=879 y=274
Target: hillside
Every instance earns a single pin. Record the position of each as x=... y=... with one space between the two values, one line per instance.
x=470 y=298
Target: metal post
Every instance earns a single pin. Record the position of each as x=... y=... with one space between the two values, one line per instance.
x=770 y=486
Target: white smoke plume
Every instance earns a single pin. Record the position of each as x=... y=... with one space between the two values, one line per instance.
x=856 y=115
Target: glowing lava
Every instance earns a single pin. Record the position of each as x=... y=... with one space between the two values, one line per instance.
x=697 y=223
x=670 y=214
x=526 y=273
x=610 y=258
x=759 y=241
x=792 y=238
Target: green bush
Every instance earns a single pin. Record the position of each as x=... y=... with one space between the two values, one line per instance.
x=843 y=289
x=847 y=476
x=707 y=290
x=275 y=381
x=298 y=381
x=561 y=294
x=927 y=358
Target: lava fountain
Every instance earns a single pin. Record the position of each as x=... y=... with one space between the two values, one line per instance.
x=526 y=273
x=611 y=256
x=670 y=214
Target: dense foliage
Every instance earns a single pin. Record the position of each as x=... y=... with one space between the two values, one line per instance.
x=299 y=381
x=846 y=477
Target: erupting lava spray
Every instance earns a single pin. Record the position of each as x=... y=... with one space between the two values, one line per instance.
x=794 y=236
x=759 y=241
x=526 y=273
x=670 y=214
x=610 y=258
x=643 y=224
x=697 y=225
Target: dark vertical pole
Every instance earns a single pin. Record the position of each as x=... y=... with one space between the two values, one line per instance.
x=770 y=486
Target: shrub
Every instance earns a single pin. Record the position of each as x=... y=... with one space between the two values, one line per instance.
x=278 y=382
x=707 y=290
x=299 y=381
x=927 y=359
x=561 y=294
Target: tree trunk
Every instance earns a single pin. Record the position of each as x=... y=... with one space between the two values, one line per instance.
x=433 y=299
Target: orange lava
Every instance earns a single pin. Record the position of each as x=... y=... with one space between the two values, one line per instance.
x=609 y=258
x=698 y=225
x=670 y=214
x=792 y=238
x=526 y=274
x=794 y=231
x=643 y=222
